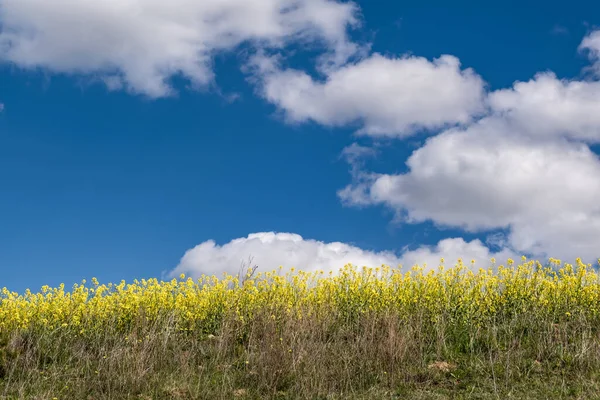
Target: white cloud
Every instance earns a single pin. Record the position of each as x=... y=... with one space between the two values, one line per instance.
x=454 y=248
x=387 y=96
x=143 y=43
x=269 y=250
x=550 y=107
x=524 y=167
x=490 y=176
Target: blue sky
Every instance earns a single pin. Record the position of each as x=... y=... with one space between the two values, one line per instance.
x=133 y=136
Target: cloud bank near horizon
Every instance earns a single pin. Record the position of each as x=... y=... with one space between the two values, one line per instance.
x=270 y=250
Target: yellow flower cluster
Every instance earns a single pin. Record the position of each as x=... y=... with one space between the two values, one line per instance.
x=458 y=294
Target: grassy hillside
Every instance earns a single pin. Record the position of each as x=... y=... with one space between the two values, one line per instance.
x=508 y=332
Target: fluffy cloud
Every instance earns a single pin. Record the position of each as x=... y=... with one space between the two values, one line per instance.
x=454 y=248
x=524 y=167
x=397 y=96
x=550 y=107
x=387 y=96
x=270 y=250
x=142 y=43
x=489 y=176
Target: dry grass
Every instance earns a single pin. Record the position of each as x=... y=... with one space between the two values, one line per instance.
x=380 y=356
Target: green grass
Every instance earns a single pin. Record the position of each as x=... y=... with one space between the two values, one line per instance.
x=377 y=357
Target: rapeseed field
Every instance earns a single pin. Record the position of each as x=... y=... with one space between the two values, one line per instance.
x=506 y=331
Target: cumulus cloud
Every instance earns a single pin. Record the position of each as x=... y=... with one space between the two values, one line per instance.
x=454 y=248
x=550 y=107
x=525 y=167
x=386 y=96
x=489 y=176
x=142 y=43
x=270 y=250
